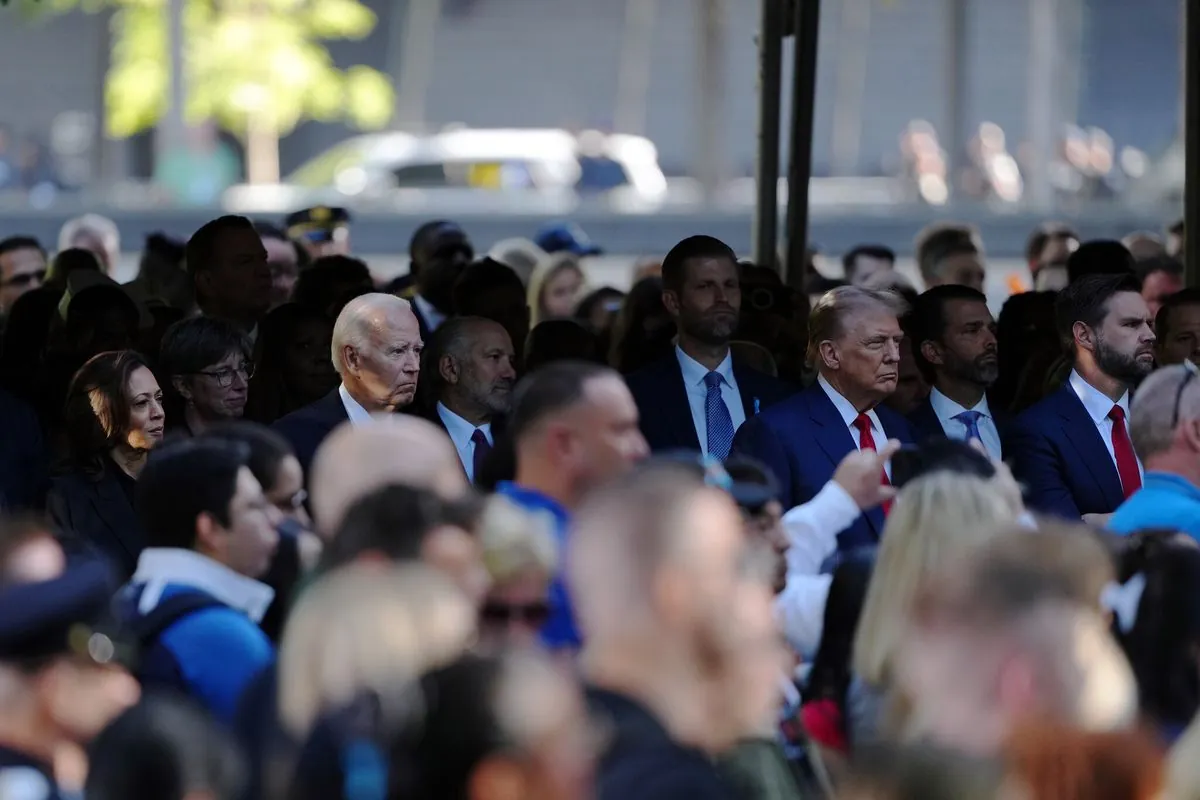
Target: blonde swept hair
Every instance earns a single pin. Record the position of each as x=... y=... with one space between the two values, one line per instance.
x=934 y=521
x=545 y=270
x=367 y=627
x=516 y=542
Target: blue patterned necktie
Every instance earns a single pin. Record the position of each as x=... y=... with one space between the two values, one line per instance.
x=717 y=419
x=970 y=420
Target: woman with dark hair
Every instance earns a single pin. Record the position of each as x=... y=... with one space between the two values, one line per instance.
x=1156 y=620
x=292 y=360
x=643 y=332
x=277 y=469
x=207 y=366
x=113 y=418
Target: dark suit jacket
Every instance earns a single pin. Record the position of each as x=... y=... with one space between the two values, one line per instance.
x=94 y=515
x=664 y=411
x=307 y=427
x=803 y=439
x=499 y=424
x=23 y=467
x=1057 y=453
x=926 y=425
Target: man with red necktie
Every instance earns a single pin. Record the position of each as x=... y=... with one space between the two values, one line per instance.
x=1072 y=450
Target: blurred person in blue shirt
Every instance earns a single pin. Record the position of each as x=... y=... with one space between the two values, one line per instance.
x=195 y=600
x=1165 y=428
x=573 y=426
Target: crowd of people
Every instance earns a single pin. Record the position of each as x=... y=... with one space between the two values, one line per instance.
x=273 y=528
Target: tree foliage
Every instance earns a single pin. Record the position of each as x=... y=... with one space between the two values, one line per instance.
x=261 y=60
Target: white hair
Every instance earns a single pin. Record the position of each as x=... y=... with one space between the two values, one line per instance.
x=353 y=325
x=102 y=228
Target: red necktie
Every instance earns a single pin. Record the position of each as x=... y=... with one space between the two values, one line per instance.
x=866 y=441
x=1127 y=464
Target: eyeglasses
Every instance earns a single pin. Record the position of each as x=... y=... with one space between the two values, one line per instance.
x=26 y=278
x=224 y=377
x=1191 y=370
x=532 y=614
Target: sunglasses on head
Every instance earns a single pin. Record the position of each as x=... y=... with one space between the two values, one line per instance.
x=534 y=614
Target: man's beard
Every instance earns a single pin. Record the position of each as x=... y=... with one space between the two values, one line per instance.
x=975 y=371
x=1116 y=364
x=711 y=329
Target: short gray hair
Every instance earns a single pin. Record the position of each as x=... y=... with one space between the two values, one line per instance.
x=353 y=324
x=1153 y=409
x=102 y=228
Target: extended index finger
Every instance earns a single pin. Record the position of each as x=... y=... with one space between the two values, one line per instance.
x=890 y=449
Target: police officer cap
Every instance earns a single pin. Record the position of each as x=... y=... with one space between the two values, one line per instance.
x=316 y=224
x=68 y=615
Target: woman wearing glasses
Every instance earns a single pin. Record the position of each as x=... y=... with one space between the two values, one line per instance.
x=206 y=363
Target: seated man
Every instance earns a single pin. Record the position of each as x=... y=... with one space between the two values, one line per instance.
x=194 y=601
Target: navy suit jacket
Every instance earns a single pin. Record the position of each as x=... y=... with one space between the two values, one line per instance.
x=666 y=415
x=1060 y=457
x=305 y=428
x=803 y=439
x=926 y=425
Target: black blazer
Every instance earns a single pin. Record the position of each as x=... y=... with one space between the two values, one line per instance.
x=663 y=408
x=93 y=515
x=23 y=467
x=305 y=428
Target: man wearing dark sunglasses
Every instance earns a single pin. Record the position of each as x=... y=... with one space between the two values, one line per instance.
x=1165 y=428
x=22 y=268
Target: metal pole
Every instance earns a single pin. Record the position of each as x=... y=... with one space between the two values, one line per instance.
x=766 y=168
x=1191 y=216
x=415 y=61
x=710 y=95
x=957 y=55
x=633 y=76
x=800 y=140
x=854 y=51
x=1041 y=86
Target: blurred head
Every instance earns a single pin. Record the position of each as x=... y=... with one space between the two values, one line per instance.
x=854 y=339
x=555 y=286
x=518 y=254
x=439 y=251
x=1164 y=421
x=1014 y=632
x=954 y=336
x=283 y=259
x=199 y=494
x=377 y=351
x=1161 y=277
x=935 y=520
x=643 y=331
x=911 y=386
x=66 y=262
x=208 y=364
x=599 y=308
x=353 y=461
x=1144 y=246
x=29 y=551
x=756 y=491
x=228 y=264
x=95 y=233
x=866 y=263
x=950 y=254
x=1049 y=246
x=1177 y=329
x=1105 y=323
x=701 y=289
x=22 y=267
x=293 y=349
x=273 y=464
x=1175 y=239
x=493 y=291
x=521 y=556
x=113 y=403
x=475 y=372
x=561 y=340
x=1100 y=257
x=330 y=282
x=575 y=424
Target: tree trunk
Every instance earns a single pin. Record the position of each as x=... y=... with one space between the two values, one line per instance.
x=262 y=150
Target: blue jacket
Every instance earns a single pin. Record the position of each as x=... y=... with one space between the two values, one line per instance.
x=1165 y=501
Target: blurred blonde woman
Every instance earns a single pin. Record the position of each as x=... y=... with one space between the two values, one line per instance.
x=935 y=520
x=554 y=287
x=520 y=554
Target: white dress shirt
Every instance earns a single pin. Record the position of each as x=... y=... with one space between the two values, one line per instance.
x=849 y=413
x=1097 y=405
x=461 y=432
x=357 y=414
x=159 y=566
x=697 y=393
x=433 y=318
x=811 y=530
x=946 y=410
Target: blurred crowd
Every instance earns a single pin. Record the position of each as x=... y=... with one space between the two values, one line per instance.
x=274 y=528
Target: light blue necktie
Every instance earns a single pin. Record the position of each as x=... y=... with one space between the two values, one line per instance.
x=717 y=419
x=970 y=420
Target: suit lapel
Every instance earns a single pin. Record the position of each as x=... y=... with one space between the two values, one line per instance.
x=675 y=396
x=1081 y=432
x=926 y=421
x=829 y=431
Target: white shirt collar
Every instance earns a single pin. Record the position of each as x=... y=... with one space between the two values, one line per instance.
x=846 y=409
x=945 y=408
x=694 y=372
x=459 y=429
x=357 y=414
x=1096 y=402
x=159 y=566
x=433 y=317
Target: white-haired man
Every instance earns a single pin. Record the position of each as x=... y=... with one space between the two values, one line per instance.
x=95 y=233
x=377 y=351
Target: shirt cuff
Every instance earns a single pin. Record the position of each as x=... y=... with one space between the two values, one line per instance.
x=833 y=507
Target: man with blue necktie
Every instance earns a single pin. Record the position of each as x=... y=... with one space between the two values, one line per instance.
x=954 y=345
x=696 y=397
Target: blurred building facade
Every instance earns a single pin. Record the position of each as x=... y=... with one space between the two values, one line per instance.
x=533 y=63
